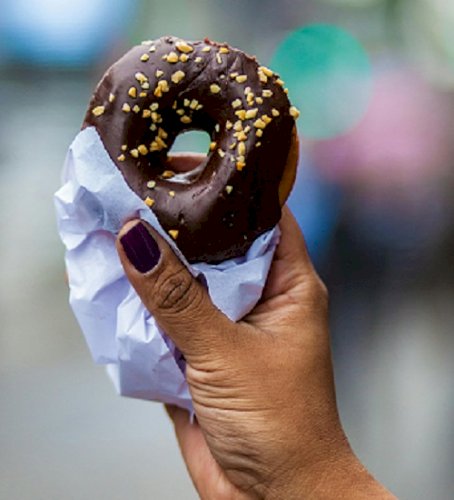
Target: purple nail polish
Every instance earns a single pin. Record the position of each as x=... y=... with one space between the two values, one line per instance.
x=141 y=248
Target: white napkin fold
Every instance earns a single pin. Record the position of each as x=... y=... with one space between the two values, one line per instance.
x=92 y=205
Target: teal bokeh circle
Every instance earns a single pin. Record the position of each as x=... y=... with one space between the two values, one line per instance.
x=329 y=77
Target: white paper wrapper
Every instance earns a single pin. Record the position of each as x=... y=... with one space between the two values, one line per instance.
x=92 y=205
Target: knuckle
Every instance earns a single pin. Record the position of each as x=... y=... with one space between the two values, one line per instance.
x=323 y=292
x=176 y=292
x=317 y=293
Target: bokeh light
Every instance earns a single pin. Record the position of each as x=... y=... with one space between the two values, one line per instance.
x=329 y=78
x=62 y=33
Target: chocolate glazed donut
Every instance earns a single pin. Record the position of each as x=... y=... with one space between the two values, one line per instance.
x=160 y=89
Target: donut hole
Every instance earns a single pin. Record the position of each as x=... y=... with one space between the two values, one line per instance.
x=195 y=141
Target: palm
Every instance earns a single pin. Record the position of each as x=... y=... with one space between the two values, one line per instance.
x=209 y=479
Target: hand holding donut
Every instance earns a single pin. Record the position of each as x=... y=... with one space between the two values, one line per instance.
x=267 y=424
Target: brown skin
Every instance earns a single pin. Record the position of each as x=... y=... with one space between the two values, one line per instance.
x=267 y=422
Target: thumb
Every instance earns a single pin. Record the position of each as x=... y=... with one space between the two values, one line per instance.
x=180 y=304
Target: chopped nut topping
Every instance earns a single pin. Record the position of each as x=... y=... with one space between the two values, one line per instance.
x=207 y=48
x=233 y=145
x=266 y=70
x=266 y=119
x=250 y=97
x=186 y=102
x=145 y=85
x=140 y=77
x=267 y=93
x=247 y=129
x=178 y=76
x=259 y=123
x=228 y=189
x=241 y=78
x=154 y=146
x=162 y=86
x=241 y=114
x=152 y=49
x=234 y=75
x=159 y=73
x=213 y=146
x=240 y=135
x=251 y=113
x=151 y=184
x=98 y=110
x=214 y=88
x=275 y=112
x=218 y=58
x=194 y=104
x=153 y=127
x=241 y=148
x=167 y=174
x=199 y=106
x=228 y=124
x=160 y=142
x=217 y=127
x=221 y=153
x=132 y=92
x=124 y=147
x=258 y=144
x=142 y=149
x=146 y=113
x=111 y=97
x=240 y=165
x=126 y=107
x=198 y=59
x=136 y=108
x=184 y=47
x=238 y=126
x=294 y=112
x=184 y=58
x=174 y=233
x=259 y=132
x=185 y=119
x=143 y=94
x=134 y=152
x=144 y=57
x=121 y=157
x=156 y=117
x=262 y=77
x=285 y=91
x=259 y=100
x=154 y=106
x=181 y=112
x=149 y=201
x=236 y=103
x=280 y=82
x=224 y=50
x=172 y=193
x=172 y=57
x=162 y=133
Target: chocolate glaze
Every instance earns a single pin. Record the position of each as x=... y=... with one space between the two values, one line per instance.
x=213 y=222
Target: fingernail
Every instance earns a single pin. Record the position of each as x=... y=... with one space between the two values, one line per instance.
x=141 y=248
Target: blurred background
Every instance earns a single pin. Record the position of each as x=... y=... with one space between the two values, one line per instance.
x=374 y=80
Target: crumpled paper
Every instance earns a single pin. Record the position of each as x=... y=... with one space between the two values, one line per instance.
x=92 y=205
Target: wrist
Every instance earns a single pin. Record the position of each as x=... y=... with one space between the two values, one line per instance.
x=337 y=475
